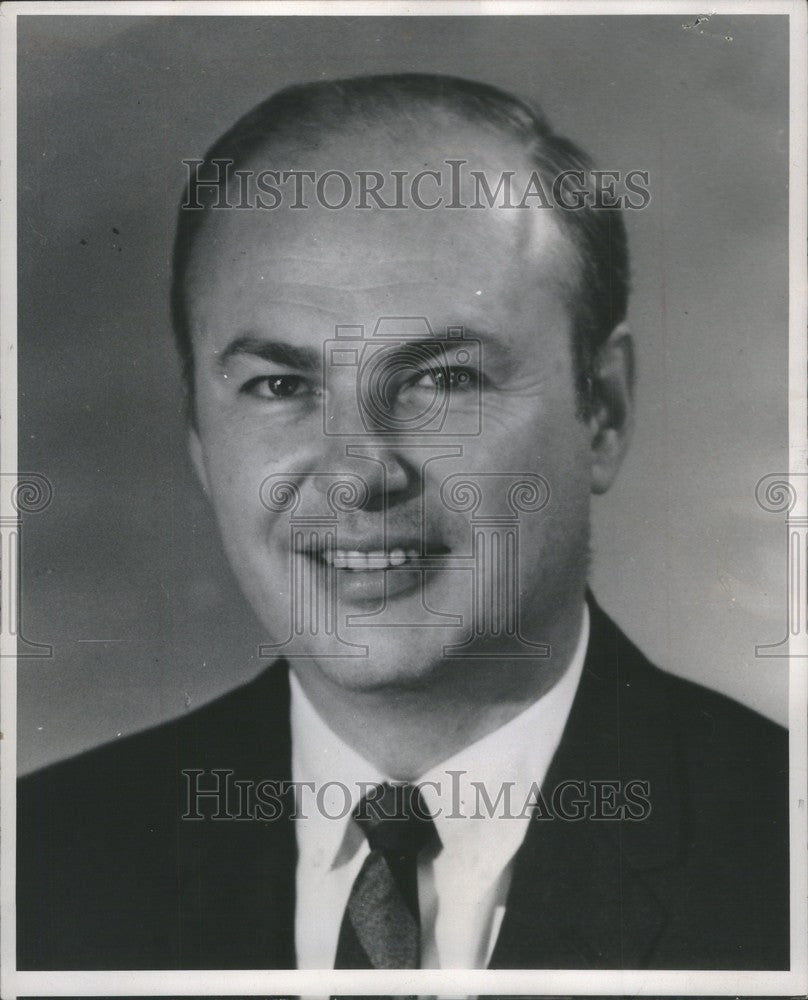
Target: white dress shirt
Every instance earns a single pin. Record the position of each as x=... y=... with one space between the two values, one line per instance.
x=461 y=890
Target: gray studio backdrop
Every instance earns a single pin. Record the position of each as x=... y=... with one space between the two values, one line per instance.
x=123 y=572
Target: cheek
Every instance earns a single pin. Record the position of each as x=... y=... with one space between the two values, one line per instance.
x=234 y=472
x=534 y=430
x=558 y=451
x=238 y=448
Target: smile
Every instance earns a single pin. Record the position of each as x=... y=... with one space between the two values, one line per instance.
x=354 y=559
x=359 y=560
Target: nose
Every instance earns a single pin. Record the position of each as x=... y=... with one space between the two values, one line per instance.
x=388 y=476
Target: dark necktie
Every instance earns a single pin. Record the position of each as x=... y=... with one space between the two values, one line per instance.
x=381 y=927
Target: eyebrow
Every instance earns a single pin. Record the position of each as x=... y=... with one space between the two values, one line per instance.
x=281 y=352
x=277 y=351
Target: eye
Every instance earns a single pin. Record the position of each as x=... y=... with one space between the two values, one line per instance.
x=456 y=377
x=276 y=386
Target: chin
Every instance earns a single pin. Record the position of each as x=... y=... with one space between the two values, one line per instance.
x=385 y=668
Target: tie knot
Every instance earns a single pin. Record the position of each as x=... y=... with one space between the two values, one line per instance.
x=395 y=820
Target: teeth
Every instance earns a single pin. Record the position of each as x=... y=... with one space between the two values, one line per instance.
x=377 y=559
x=356 y=560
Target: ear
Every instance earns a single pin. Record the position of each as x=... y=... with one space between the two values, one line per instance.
x=198 y=458
x=611 y=410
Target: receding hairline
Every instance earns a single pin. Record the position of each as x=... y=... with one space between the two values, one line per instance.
x=597 y=237
x=427 y=120
x=379 y=99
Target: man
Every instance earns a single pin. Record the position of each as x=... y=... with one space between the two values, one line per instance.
x=400 y=405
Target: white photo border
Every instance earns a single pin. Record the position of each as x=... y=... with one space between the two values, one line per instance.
x=433 y=982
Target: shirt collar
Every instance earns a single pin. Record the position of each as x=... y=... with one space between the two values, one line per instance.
x=518 y=753
x=335 y=773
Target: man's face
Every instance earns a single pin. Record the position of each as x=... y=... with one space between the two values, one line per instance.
x=267 y=292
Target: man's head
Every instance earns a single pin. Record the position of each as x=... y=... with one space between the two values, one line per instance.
x=539 y=295
x=301 y=118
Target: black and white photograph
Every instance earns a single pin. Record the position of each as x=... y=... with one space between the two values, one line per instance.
x=404 y=499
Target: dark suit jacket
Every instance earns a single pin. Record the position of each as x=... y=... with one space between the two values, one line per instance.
x=110 y=877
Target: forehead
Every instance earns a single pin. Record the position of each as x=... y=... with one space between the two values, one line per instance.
x=352 y=265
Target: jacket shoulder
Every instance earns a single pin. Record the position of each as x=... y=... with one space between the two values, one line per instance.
x=705 y=719
x=104 y=861
x=247 y=720
x=711 y=729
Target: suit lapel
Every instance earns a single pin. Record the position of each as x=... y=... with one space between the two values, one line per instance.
x=579 y=897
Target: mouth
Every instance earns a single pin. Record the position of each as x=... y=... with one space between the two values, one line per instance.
x=362 y=557
x=356 y=560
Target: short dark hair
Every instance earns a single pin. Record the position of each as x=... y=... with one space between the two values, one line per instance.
x=307 y=112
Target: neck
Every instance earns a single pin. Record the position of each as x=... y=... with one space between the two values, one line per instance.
x=405 y=730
